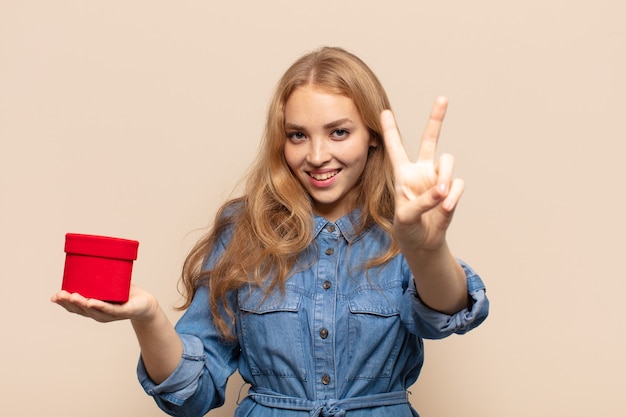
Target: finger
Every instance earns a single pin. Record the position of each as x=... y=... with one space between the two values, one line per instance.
x=72 y=307
x=456 y=190
x=65 y=300
x=59 y=296
x=77 y=304
x=428 y=145
x=393 y=142
x=414 y=208
x=93 y=311
x=99 y=307
x=445 y=170
x=103 y=316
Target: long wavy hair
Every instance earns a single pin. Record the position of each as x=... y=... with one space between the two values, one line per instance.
x=271 y=224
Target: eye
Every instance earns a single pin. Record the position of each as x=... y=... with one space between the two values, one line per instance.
x=296 y=136
x=340 y=133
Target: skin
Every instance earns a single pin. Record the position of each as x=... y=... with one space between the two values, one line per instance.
x=161 y=347
x=326 y=137
x=326 y=148
x=426 y=195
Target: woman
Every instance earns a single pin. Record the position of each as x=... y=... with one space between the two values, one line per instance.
x=320 y=282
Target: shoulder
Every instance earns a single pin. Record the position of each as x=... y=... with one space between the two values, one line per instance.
x=232 y=208
x=228 y=217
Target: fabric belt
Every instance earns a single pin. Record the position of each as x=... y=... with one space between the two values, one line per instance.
x=326 y=408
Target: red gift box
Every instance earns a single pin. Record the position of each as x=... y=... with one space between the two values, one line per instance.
x=99 y=266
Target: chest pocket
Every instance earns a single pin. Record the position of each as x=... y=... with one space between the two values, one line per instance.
x=374 y=328
x=272 y=333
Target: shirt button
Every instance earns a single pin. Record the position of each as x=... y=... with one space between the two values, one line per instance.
x=324 y=333
x=330 y=228
x=326 y=285
x=329 y=251
x=326 y=379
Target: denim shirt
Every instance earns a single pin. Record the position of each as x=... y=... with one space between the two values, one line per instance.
x=340 y=341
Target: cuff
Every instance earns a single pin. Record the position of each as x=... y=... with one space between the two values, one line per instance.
x=436 y=325
x=183 y=382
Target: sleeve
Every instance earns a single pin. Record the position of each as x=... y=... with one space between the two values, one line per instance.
x=198 y=384
x=432 y=324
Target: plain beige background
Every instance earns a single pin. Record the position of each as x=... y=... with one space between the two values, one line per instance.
x=138 y=118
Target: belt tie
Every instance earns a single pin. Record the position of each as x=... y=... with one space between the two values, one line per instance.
x=325 y=408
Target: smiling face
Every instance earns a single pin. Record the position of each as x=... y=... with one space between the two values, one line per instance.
x=326 y=147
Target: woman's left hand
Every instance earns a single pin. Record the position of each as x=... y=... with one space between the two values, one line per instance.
x=425 y=192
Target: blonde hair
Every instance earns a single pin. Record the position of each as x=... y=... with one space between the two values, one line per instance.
x=272 y=223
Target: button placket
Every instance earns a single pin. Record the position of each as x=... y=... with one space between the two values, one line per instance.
x=324 y=356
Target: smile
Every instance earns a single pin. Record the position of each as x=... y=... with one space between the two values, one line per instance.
x=323 y=175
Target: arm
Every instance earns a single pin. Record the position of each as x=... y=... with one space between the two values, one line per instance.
x=425 y=198
x=161 y=347
x=439 y=279
x=182 y=384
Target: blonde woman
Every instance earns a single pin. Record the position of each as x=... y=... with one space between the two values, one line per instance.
x=320 y=282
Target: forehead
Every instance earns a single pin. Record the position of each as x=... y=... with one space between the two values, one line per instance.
x=312 y=105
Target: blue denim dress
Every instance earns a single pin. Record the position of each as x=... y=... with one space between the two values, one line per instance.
x=340 y=341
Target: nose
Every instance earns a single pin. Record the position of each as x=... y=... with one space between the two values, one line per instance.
x=319 y=152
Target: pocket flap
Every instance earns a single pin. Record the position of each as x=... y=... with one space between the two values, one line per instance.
x=375 y=301
x=256 y=301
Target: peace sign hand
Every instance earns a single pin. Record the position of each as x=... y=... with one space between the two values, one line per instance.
x=425 y=192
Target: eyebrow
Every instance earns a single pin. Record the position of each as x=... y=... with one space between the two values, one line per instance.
x=329 y=125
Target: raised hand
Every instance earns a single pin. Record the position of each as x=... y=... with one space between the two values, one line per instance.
x=425 y=192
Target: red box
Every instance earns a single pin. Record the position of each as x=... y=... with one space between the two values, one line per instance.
x=99 y=266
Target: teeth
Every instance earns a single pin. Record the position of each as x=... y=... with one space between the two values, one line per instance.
x=324 y=176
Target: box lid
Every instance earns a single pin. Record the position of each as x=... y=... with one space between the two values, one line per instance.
x=102 y=246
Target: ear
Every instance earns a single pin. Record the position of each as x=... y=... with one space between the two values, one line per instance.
x=374 y=140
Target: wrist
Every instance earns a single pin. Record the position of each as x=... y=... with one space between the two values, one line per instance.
x=416 y=248
x=150 y=312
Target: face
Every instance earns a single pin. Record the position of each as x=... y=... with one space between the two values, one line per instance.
x=326 y=147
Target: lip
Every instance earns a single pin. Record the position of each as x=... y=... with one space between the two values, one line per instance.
x=322 y=183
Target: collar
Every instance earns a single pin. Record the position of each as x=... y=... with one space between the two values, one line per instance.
x=346 y=225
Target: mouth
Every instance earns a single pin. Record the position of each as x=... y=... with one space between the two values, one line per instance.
x=323 y=176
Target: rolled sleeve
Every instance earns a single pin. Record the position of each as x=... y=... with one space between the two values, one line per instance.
x=183 y=382
x=432 y=324
x=198 y=383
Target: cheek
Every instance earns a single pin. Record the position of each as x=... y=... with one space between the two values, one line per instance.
x=356 y=154
x=292 y=156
